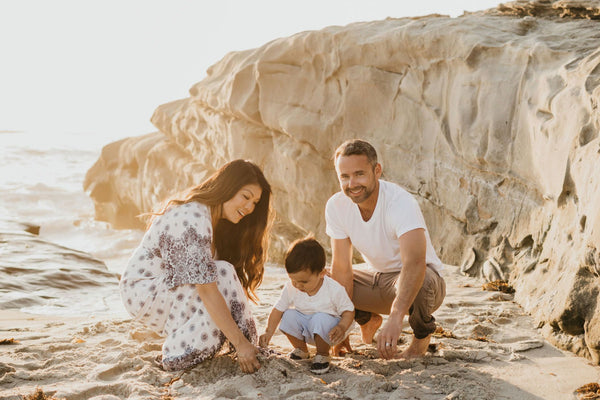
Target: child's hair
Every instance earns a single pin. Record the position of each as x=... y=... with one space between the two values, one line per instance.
x=305 y=254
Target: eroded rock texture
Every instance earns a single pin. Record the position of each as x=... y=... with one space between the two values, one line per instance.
x=490 y=119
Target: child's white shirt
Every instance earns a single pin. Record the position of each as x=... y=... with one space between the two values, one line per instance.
x=331 y=298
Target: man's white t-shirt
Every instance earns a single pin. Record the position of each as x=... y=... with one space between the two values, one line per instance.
x=331 y=299
x=396 y=213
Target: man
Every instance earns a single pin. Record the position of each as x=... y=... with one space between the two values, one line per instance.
x=383 y=222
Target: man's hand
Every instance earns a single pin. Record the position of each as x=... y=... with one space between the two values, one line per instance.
x=413 y=252
x=387 y=340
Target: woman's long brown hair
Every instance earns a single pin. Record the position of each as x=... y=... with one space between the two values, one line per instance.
x=244 y=244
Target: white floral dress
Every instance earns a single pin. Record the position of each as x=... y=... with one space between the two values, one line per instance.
x=158 y=286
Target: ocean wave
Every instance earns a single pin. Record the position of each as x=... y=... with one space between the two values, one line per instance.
x=35 y=272
x=41 y=189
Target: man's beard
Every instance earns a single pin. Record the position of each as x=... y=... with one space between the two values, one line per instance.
x=362 y=197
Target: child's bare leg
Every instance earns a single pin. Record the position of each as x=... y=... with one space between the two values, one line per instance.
x=322 y=346
x=297 y=343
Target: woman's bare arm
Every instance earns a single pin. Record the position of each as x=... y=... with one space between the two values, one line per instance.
x=221 y=315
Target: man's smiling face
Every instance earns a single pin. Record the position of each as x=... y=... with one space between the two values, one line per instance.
x=357 y=177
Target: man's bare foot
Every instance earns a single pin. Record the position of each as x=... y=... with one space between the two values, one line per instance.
x=417 y=348
x=338 y=349
x=368 y=330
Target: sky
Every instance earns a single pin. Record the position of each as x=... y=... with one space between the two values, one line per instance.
x=102 y=67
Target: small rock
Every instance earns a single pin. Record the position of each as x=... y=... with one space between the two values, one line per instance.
x=526 y=345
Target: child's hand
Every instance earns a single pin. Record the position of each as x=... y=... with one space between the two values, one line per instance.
x=264 y=339
x=336 y=334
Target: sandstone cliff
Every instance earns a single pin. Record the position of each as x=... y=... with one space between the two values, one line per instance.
x=490 y=119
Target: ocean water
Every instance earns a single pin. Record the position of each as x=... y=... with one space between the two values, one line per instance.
x=41 y=183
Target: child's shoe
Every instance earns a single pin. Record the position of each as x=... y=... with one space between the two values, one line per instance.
x=299 y=354
x=320 y=364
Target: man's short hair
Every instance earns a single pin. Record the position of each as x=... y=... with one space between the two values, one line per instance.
x=357 y=147
x=305 y=254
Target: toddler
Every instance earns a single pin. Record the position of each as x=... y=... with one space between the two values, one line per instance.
x=313 y=308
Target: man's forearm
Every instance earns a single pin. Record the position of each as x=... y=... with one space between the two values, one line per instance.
x=341 y=263
x=343 y=275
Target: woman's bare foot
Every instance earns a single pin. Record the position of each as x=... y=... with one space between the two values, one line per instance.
x=338 y=349
x=417 y=348
x=368 y=330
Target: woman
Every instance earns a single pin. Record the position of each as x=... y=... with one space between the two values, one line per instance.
x=200 y=260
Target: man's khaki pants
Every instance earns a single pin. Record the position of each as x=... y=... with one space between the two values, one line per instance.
x=374 y=292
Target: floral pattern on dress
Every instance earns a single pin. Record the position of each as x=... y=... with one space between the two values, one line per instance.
x=246 y=325
x=186 y=258
x=191 y=357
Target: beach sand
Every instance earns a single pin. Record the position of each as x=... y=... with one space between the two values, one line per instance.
x=496 y=352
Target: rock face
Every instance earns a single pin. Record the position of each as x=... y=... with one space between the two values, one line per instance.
x=491 y=120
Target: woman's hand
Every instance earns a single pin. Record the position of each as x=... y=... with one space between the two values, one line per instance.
x=221 y=315
x=246 y=354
